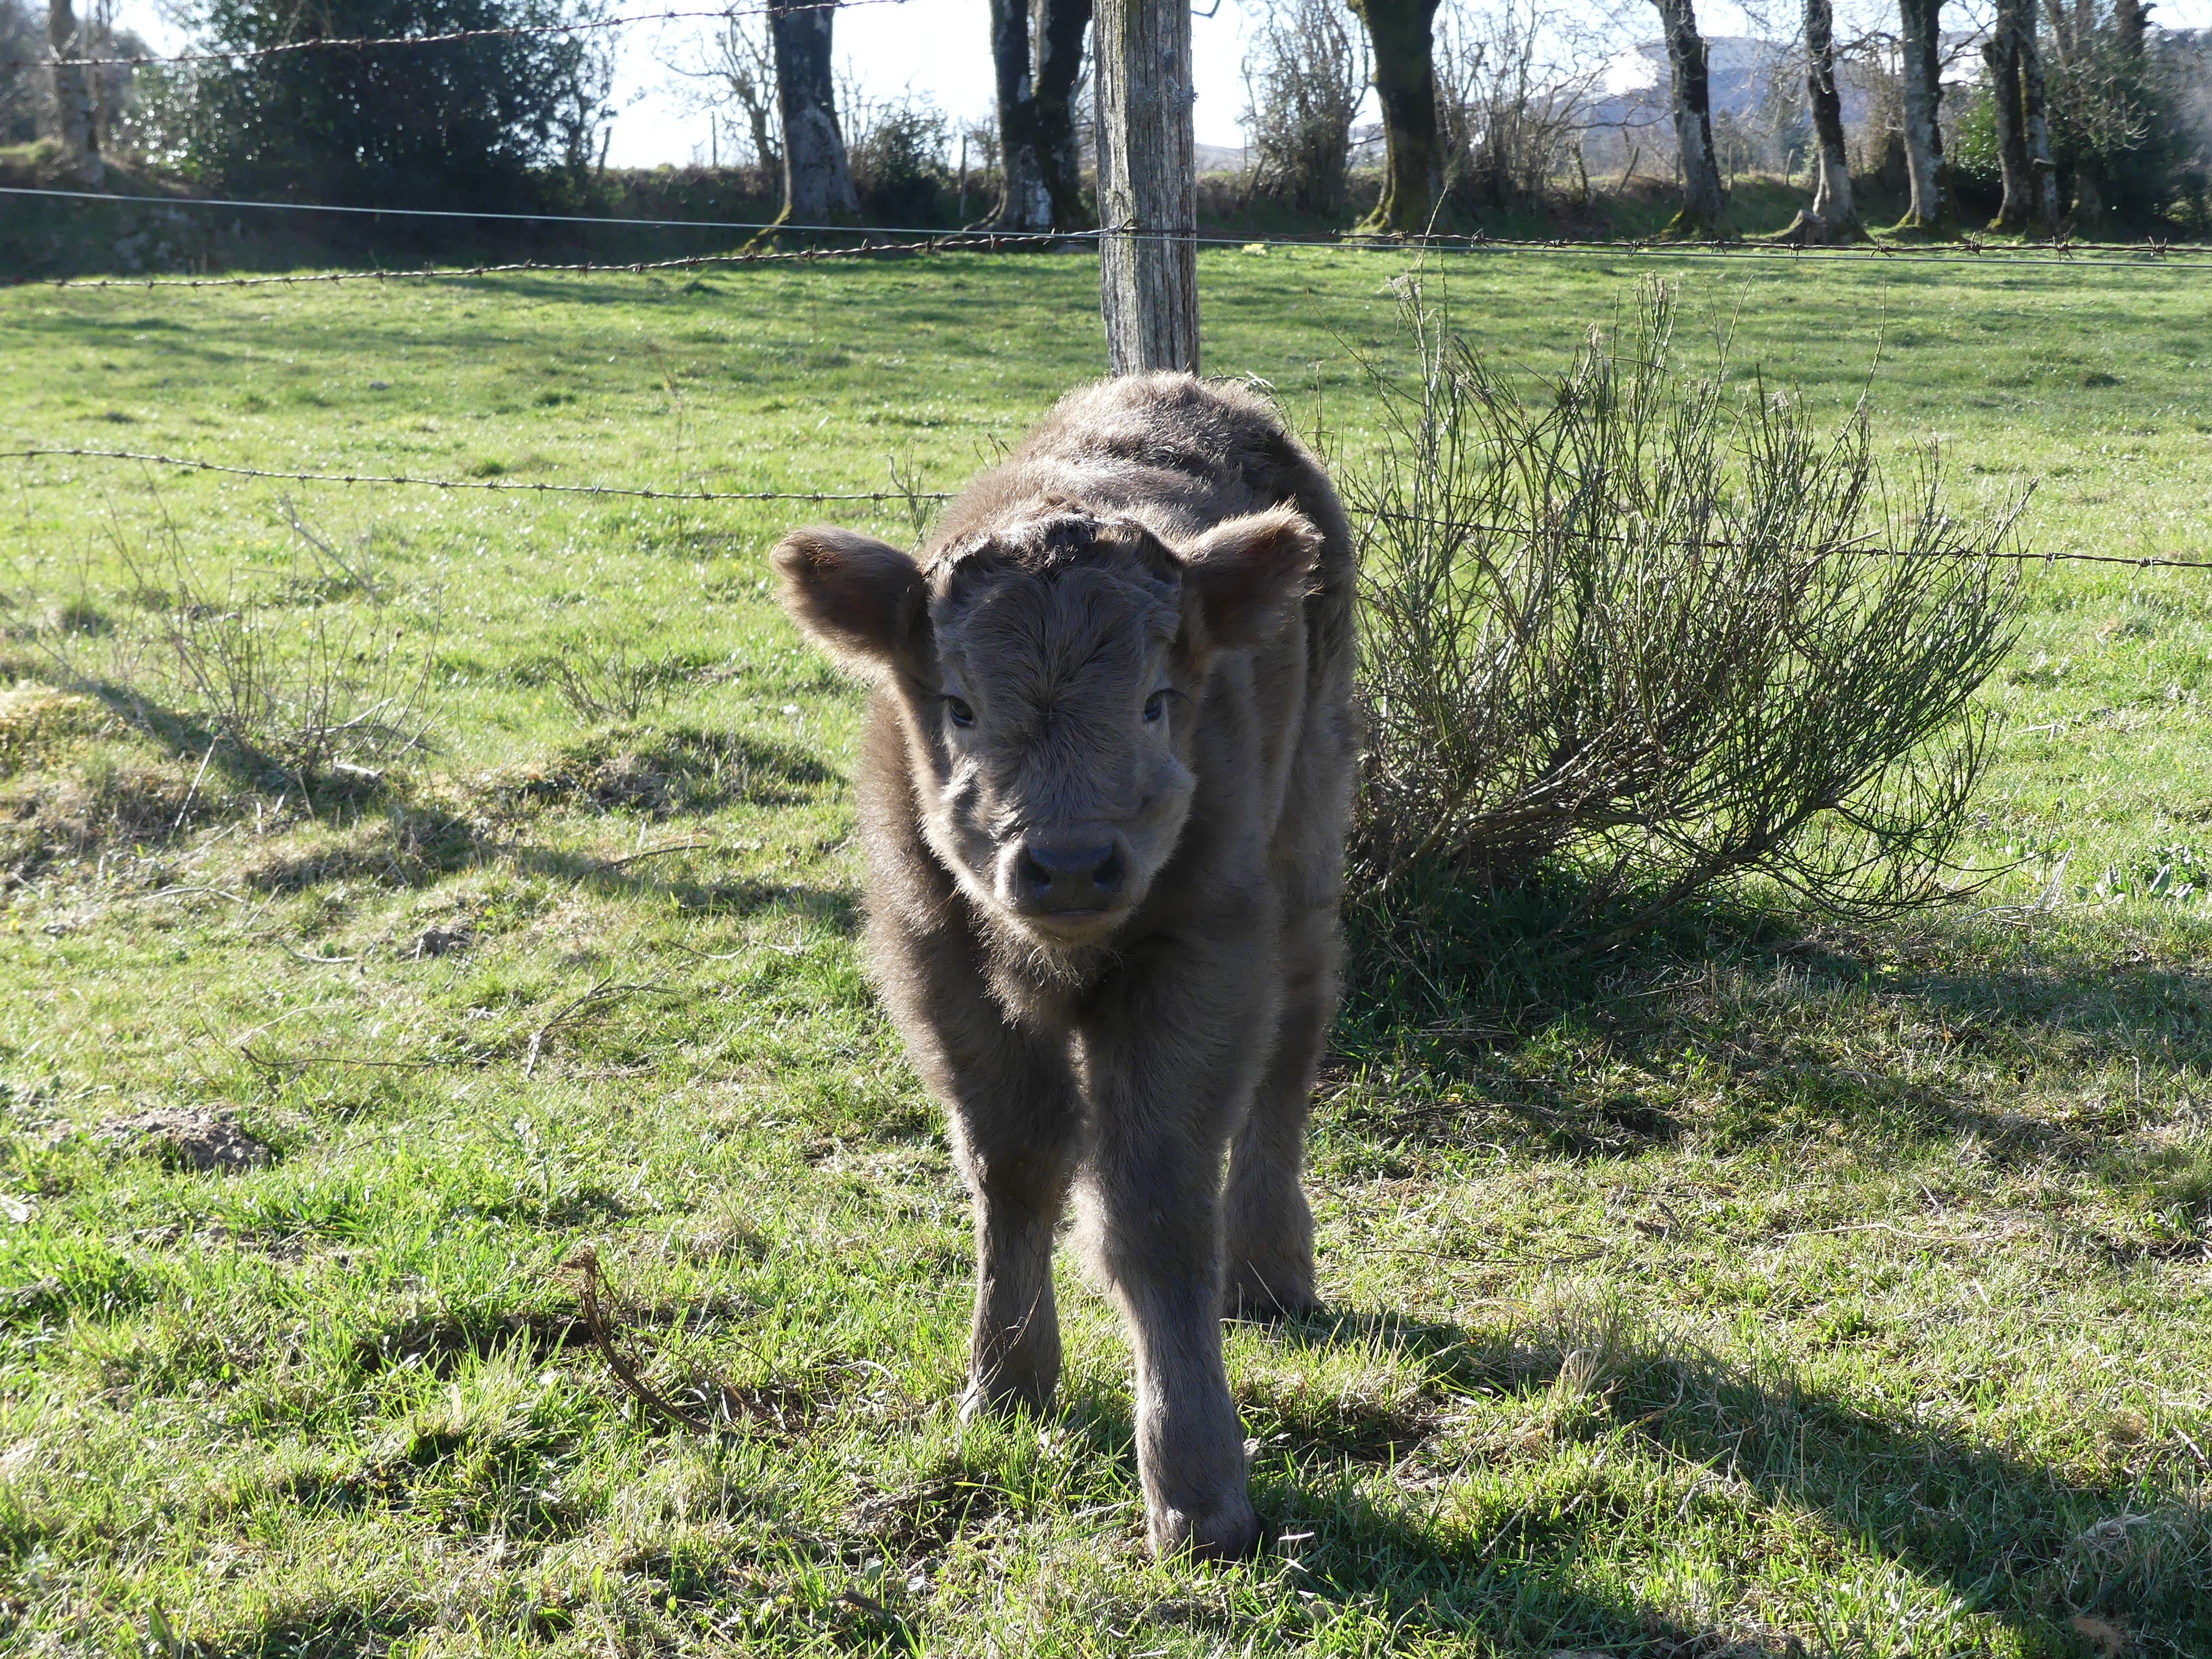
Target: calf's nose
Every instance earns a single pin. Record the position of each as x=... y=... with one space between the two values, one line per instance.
x=1081 y=874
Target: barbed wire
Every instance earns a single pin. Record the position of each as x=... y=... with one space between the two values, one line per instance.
x=2069 y=255
x=2145 y=561
x=978 y=242
x=513 y=486
x=362 y=43
x=610 y=220
x=1857 y=545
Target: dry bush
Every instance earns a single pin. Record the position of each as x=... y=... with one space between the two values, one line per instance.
x=608 y=686
x=1514 y=93
x=1304 y=74
x=291 y=683
x=1650 y=634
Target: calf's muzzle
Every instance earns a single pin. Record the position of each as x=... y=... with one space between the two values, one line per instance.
x=1068 y=874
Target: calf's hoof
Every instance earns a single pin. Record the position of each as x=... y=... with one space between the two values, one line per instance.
x=1005 y=1396
x=1257 y=1294
x=1222 y=1531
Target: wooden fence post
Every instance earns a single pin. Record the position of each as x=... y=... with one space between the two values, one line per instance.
x=1147 y=186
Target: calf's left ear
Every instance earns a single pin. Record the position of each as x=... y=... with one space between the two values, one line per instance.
x=1249 y=575
x=861 y=599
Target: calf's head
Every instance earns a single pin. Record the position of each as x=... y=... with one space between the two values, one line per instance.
x=1050 y=673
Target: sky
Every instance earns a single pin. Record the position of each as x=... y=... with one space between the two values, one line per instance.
x=939 y=50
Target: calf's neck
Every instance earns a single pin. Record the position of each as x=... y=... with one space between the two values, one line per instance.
x=1103 y=791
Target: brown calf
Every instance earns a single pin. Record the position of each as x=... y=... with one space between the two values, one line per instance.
x=1103 y=795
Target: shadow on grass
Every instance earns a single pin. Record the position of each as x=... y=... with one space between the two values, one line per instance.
x=1786 y=1026
x=834 y=907
x=1989 y=1531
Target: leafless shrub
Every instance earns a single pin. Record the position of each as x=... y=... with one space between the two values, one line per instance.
x=901 y=151
x=292 y=682
x=1513 y=95
x=608 y=685
x=1305 y=71
x=733 y=81
x=1653 y=633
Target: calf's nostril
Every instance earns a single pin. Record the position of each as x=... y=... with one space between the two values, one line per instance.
x=1072 y=875
x=1036 y=879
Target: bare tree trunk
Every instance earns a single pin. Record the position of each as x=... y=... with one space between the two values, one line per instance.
x=1832 y=217
x=2088 y=212
x=1704 y=203
x=1930 y=207
x=1403 y=36
x=817 y=182
x=1147 y=186
x=2130 y=23
x=79 y=133
x=1037 y=47
x=2000 y=51
x=1023 y=203
x=2035 y=132
x=1060 y=26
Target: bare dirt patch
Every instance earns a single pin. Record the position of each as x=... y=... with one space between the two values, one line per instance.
x=186 y=1137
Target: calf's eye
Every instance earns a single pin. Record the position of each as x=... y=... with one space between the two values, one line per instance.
x=1156 y=706
x=961 y=712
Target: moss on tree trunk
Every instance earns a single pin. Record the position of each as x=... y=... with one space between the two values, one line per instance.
x=1704 y=203
x=1930 y=211
x=817 y=181
x=1831 y=216
x=1402 y=34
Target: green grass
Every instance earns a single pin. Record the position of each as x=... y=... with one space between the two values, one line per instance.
x=1773 y=1288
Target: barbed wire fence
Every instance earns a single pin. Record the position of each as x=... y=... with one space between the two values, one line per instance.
x=915 y=497
x=184 y=463
x=867 y=242
x=919 y=240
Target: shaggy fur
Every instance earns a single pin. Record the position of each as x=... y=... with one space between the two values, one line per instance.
x=1103 y=794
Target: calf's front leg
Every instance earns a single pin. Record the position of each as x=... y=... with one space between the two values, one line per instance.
x=1168 y=1067
x=1016 y=1148
x=1015 y=1119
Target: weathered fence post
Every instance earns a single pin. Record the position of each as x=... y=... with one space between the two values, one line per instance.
x=1147 y=186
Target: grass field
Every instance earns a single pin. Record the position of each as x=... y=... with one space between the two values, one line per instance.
x=1773 y=1288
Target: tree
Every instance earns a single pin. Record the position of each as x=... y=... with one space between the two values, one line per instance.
x=817 y=181
x=2035 y=121
x=73 y=107
x=2130 y=23
x=1513 y=84
x=1304 y=75
x=736 y=86
x=1930 y=208
x=1402 y=35
x=465 y=125
x=2104 y=115
x=1831 y=218
x=24 y=92
x=2023 y=130
x=1037 y=49
x=1705 y=204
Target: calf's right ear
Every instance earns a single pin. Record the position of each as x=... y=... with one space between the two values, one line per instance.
x=861 y=599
